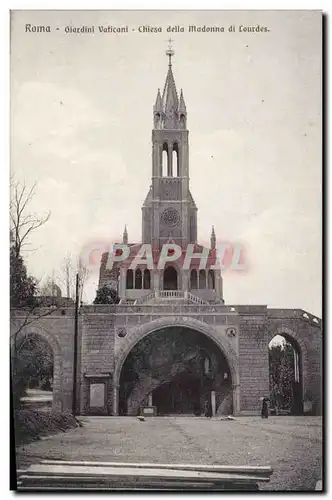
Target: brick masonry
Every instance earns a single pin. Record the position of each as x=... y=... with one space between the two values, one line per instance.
x=108 y=333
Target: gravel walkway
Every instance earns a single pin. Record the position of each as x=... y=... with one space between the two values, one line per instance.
x=291 y=445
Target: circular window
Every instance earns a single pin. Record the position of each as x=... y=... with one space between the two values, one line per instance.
x=122 y=332
x=231 y=332
x=170 y=217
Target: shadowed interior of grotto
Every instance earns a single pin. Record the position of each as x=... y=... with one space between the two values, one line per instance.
x=178 y=371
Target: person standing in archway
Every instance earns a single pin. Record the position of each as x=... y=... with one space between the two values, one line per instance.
x=208 y=409
x=265 y=408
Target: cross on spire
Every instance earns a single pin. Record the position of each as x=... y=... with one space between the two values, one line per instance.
x=170 y=52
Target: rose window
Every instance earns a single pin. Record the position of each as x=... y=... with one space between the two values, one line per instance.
x=170 y=217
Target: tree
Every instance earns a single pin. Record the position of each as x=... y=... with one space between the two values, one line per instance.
x=106 y=295
x=281 y=364
x=70 y=267
x=23 y=287
x=35 y=361
x=23 y=223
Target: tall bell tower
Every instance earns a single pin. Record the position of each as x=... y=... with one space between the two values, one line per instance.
x=169 y=211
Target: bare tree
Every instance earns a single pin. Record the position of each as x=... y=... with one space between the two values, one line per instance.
x=23 y=223
x=83 y=274
x=70 y=267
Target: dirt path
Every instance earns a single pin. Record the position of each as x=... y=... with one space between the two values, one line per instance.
x=291 y=445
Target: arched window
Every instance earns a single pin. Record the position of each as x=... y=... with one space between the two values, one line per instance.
x=130 y=279
x=176 y=164
x=138 y=279
x=165 y=159
x=193 y=279
x=157 y=120
x=202 y=279
x=211 y=283
x=146 y=279
x=182 y=121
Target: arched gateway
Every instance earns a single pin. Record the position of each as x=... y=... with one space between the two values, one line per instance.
x=176 y=364
x=216 y=348
x=18 y=339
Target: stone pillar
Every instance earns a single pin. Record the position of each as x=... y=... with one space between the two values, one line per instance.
x=150 y=403
x=218 y=284
x=116 y=388
x=170 y=161
x=236 y=399
x=185 y=282
x=122 y=283
x=155 y=282
x=213 y=402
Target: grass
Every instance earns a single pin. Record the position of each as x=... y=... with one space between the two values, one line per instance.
x=33 y=424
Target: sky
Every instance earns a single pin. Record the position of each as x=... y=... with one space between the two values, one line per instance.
x=81 y=121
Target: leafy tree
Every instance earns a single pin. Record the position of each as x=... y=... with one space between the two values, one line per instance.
x=281 y=363
x=23 y=287
x=106 y=295
x=34 y=363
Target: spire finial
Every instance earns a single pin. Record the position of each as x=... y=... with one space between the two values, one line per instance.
x=125 y=235
x=170 y=52
x=213 y=238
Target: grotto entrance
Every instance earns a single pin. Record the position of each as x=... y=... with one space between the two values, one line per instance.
x=176 y=370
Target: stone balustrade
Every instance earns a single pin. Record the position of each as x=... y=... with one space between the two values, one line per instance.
x=170 y=307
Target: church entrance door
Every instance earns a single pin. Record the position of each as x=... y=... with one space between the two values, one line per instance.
x=170 y=278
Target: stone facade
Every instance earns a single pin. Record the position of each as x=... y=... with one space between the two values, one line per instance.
x=107 y=335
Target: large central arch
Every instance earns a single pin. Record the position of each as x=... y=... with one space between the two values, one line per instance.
x=136 y=334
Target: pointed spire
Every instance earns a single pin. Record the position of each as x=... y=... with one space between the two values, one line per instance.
x=170 y=97
x=158 y=107
x=213 y=238
x=168 y=106
x=182 y=105
x=125 y=236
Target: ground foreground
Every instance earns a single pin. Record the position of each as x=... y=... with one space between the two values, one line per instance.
x=291 y=445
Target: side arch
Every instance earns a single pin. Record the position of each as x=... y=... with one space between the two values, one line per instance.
x=136 y=334
x=293 y=335
x=57 y=404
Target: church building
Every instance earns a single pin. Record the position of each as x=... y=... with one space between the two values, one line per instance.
x=169 y=216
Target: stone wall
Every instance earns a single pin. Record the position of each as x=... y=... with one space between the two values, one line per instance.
x=253 y=363
x=97 y=356
x=107 y=334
